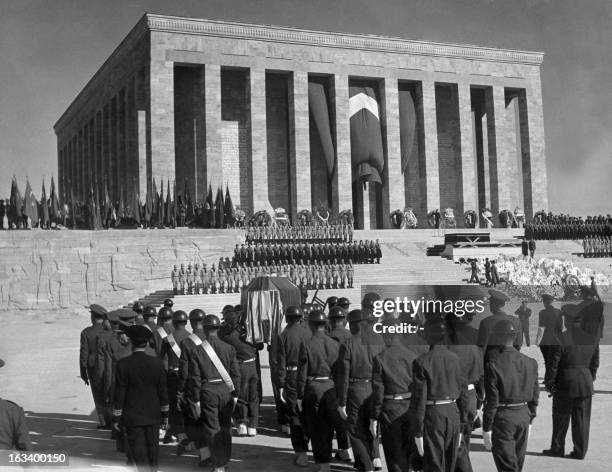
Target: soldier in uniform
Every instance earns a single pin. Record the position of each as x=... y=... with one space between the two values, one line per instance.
x=486 y=340
x=391 y=394
x=14 y=433
x=572 y=371
x=216 y=383
x=171 y=351
x=511 y=400
x=315 y=388
x=149 y=315
x=183 y=279
x=439 y=401
x=247 y=408
x=550 y=325
x=186 y=398
x=290 y=343
x=174 y=277
x=337 y=321
x=87 y=362
x=349 y=273
x=141 y=400
x=354 y=386
x=524 y=314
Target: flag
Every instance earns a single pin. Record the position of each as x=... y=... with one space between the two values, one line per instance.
x=54 y=210
x=96 y=206
x=366 y=136
x=210 y=205
x=189 y=212
x=408 y=122
x=219 y=208
x=154 y=203
x=121 y=210
x=174 y=208
x=30 y=207
x=319 y=112
x=15 y=203
x=135 y=205
x=160 y=206
x=169 y=213
x=148 y=208
x=72 y=206
x=107 y=202
x=44 y=207
x=228 y=213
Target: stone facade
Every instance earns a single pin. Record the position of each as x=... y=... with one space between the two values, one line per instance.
x=226 y=104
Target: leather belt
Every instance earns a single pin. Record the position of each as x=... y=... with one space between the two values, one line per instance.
x=510 y=405
x=398 y=396
x=247 y=360
x=213 y=381
x=471 y=387
x=440 y=402
x=357 y=380
x=291 y=368
x=318 y=378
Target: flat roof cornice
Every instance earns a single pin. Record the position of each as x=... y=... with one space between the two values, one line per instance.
x=281 y=34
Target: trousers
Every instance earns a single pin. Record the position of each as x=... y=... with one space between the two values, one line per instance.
x=441 y=438
x=217 y=406
x=321 y=414
x=509 y=437
x=143 y=446
x=247 y=408
x=299 y=440
x=396 y=432
x=358 y=407
x=578 y=410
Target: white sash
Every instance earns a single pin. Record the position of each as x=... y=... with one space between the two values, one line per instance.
x=174 y=345
x=210 y=352
x=162 y=332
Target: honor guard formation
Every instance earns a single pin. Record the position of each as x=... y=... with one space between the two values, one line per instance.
x=194 y=381
x=312 y=257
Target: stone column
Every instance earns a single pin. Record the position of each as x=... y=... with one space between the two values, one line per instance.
x=468 y=171
x=393 y=178
x=212 y=116
x=431 y=144
x=142 y=134
x=342 y=188
x=299 y=143
x=160 y=98
x=505 y=139
x=536 y=186
x=259 y=152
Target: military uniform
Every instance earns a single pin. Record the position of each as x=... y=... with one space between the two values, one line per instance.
x=486 y=338
x=391 y=394
x=14 y=433
x=511 y=399
x=551 y=321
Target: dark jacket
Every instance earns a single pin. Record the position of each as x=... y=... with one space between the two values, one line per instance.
x=202 y=369
x=141 y=394
x=87 y=352
x=13 y=430
x=318 y=357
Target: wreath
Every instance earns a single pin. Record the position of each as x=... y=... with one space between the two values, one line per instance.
x=539 y=217
x=397 y=218
x=448 y=221
x=431 y=218
x=410 y=219
x=506 y=218
x=474 y=219
x=305 y=217
x=261 y=218
x=323 y=213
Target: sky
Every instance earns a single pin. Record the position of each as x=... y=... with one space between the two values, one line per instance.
x=50 y=49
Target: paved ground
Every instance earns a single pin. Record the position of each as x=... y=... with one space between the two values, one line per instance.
x=42 y=375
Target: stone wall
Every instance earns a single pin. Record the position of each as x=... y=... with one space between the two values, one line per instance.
x=50 y=270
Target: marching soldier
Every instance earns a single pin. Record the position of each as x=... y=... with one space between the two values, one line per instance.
x=216 y=383
x=438 y=401
x=149 y=316
x=391 y=394
x=171 y=351
x=572 y=371
x=87 y=362
x=247 y=408
x=140 y=403
x=337 y=320
x=486 y=340
x=524 y=314
x=511 y=400
x=354 y=387
x=14 y=434
x=315 y=388
x=290 y=343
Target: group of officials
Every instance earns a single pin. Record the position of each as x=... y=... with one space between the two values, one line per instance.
x=300 y=233
x=416 y=394
x=570 y=229
x=597 y=246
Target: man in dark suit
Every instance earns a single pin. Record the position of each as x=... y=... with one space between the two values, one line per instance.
x=14 y=433
x=141 y=400
x=572 y=371
x=87 y=362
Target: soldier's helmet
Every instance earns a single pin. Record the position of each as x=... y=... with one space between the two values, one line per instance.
x=369 y=299
x=343 y=302
x=137 y=307
x=211 y=321
x=332 y=301
x=317 y=317
x=294 y=312
x=355 y=316
x=168 y=302
x=307 y=308
x=227 y=308
x=149 y=311
x=336 y=312
x=196 y=315
x=179 y=315
x=164 y=313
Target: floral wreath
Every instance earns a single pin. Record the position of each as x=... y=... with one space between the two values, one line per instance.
x=474 y=216
x=261 y=218
x=305 y=216
x=346 y=216
x=323 y=213
x=508 y=215
x=430 y=217
x=539 y=217
x=397 y=216
x=411 y=219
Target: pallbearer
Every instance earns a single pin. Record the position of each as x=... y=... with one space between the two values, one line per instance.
x=511 y=400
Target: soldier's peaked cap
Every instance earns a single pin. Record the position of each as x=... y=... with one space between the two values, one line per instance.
x=125 y=314
x=497 y=296
x=548 y=297
x=138 y=334
x=113 y=316
x=97 y=310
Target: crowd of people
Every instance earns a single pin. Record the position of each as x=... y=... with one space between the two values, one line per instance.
x=343 y=373
x=230 y=277
x=330 y=233
x=549 y=226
